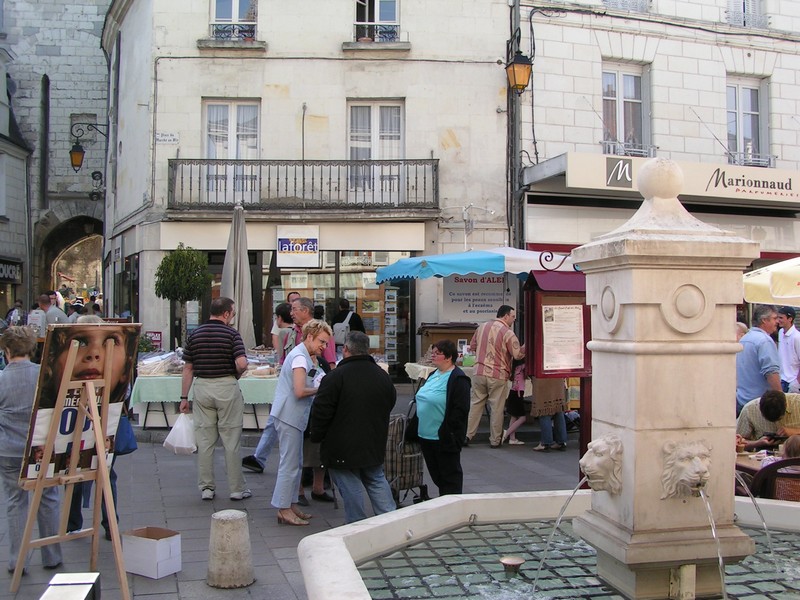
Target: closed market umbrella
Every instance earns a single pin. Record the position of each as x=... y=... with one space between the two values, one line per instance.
x=775 y=284
x=236 y=283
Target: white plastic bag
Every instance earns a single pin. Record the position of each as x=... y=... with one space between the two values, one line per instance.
x=181 y=437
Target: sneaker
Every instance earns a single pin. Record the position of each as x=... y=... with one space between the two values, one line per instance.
x=251 y=464
x=516 y=442
x=208 y=494
x=244 y=494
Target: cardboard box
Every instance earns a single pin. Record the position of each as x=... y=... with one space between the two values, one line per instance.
x=154 y=552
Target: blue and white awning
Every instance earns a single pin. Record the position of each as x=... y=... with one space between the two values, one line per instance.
x=494 y=260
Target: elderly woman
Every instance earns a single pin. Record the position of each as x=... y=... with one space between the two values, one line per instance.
x=17 y=387
x=443 y=409
x=297 y=385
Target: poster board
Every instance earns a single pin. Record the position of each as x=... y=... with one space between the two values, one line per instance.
x=89 y=365
x=561 y=331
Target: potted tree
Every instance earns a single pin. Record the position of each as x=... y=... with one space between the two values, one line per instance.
x=182 y=276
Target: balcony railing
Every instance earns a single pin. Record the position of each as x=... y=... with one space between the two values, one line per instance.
x=748 y=159
x=751 y=19
x=619 y=149
x=641 y=6
x=233 y=31
x=376 y=32
x=295 y=184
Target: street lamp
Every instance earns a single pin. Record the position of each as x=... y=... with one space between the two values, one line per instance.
x=518 y=71
x=78 y=130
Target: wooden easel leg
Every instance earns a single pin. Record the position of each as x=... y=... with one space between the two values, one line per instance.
x=103 y=488
x=33 y=511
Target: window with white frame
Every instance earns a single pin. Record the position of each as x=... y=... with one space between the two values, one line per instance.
x=377 y=21
x=747 y=13
x=234 y=19
x=625 y=113
x=231 y=134
x=747 y=123
x=375 y=132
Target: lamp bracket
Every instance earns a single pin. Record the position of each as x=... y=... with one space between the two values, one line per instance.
x=78 y=130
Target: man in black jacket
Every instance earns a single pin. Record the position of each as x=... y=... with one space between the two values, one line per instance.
x=351 y=419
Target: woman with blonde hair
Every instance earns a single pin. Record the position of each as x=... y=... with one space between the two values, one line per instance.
x=297 y=385
x=17 y=388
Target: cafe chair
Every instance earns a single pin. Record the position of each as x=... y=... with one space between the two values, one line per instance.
x=778 y=481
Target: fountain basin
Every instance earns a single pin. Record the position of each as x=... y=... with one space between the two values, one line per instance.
x=328 y=559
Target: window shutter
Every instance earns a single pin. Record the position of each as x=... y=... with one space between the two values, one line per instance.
x=647 y=109
x=763 y=116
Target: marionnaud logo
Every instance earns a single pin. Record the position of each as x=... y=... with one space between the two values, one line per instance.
x=719 y=178
x=619 y=172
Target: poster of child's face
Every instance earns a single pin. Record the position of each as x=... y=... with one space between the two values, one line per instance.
x=92 y=343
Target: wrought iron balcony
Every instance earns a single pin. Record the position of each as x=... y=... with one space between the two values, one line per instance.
x=619 y=149
x=748 y=159
x=376 y=32
x=233 y=31
x=212 y=184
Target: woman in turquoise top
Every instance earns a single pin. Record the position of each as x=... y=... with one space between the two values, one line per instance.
x=443 y=408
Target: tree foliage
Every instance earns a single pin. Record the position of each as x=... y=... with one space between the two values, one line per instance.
x=183 y=275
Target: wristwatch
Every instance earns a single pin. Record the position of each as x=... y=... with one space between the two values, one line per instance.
x=184 y=397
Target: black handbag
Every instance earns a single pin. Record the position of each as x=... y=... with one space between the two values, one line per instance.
x=124 y=440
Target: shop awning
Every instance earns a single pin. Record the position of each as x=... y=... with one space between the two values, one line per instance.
x=494 y=260
x=774 y=284
x=558 y=281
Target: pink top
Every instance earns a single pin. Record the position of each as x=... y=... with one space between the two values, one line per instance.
x=329 y=354
x=495 y=346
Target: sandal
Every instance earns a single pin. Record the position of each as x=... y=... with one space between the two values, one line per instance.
x=557 y=446
x=300 y=513
x=291 y=520
x=541 y=448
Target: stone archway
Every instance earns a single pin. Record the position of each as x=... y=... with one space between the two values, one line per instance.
x=66 y=223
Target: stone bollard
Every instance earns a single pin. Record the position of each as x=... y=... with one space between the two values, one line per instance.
x=230 y=564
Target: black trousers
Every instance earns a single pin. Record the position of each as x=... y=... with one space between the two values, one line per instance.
x=444 y=467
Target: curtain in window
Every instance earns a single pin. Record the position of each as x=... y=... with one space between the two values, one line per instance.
x=390 y=132
x=247 y=131
x=609 y=106
x=217 y=131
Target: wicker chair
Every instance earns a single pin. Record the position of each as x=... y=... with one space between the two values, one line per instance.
x=778 y=481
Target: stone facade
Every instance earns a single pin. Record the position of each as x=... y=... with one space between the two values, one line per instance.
x=61 y=77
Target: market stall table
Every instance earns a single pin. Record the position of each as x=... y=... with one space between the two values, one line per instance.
x=166 y=390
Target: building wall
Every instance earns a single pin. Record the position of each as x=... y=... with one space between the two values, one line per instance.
x=691 y=52
x=58 y=40
x=453 y=88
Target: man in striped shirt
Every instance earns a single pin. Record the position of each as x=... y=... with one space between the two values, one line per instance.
x=215 y=358
x=495 y=346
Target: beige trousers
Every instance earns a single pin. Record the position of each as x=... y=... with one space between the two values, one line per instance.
x=494 y=391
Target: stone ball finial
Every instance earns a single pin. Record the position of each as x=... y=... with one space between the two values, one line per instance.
x=660 y=178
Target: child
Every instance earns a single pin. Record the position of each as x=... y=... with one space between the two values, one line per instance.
x=791 y=449
x=515 y=407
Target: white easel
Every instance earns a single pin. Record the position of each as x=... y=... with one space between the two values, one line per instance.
x=87 y=411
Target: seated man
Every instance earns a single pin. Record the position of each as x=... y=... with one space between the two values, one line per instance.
x=762 y=419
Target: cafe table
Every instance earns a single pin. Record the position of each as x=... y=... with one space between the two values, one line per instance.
x=154 y=392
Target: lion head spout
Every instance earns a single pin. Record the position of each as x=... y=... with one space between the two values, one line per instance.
x=602 y=464
x=685 y=468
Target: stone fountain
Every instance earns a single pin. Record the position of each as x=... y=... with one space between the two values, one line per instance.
x=663 y=290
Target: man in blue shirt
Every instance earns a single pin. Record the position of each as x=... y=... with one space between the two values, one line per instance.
x=757 y=365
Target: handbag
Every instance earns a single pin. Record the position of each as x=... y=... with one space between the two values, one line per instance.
x=411 y=433
x=124 y=440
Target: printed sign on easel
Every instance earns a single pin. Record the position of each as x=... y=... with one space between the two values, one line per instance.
x=89 y=365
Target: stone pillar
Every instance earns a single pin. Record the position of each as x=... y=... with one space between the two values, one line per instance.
x=230 y=563
x=663 y=290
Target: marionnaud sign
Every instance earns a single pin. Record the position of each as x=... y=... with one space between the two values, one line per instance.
x=604 y=172
x=298 y=246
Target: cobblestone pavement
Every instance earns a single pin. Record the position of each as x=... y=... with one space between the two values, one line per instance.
x=157 y=488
